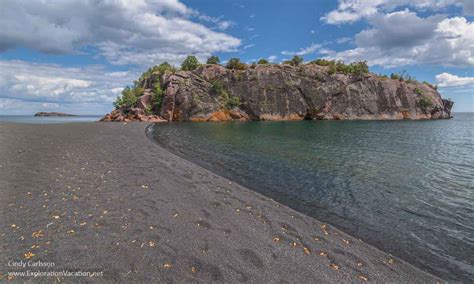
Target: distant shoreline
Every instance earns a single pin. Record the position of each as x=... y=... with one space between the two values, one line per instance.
x=42 y=113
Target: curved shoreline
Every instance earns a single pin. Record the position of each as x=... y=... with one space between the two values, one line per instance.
x=153 y=216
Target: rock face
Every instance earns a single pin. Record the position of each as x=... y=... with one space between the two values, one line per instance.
x=139 y=113
x=144 y=101
x=133 y=114
x=285 y=92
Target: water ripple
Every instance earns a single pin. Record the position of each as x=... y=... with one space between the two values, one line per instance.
x=405 y=187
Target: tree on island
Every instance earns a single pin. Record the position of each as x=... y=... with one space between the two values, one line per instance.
x=295 y=61
x=262 y=61
x=163 y=67
x=128 y=98
x=235 y=64
x=190 y=63
x=213 y=60
x=354 y=68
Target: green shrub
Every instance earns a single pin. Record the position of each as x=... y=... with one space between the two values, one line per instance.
x=355 y=68
x=157 y=96
x=163 y=68
x=434 y=87
x=322 y=62
x=332 y=69
x=425 y=103
x=230 y=101
x=217 y=87
x=148 y=111
x=359 y=68
x=128 y=99
x=295 y=61
x=213 y=60
x=190 y=63
x=395 y=76
x=157 y=69
x=235 y=64
x=225 y=99
x=403 y=77
x=262 y=61
x=418 y=91
x=410 y=79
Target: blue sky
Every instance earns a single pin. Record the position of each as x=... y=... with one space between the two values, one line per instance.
x=75 y=56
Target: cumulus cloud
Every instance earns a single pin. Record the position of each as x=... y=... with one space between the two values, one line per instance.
x=446 y=80
x=398 y=29
x=124 y=32
x=343 y=40
x=303 y=51
x=272 y=58
x=353 y=10
x=49 y=85
x=403 y=38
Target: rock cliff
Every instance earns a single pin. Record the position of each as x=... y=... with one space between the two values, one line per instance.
x=284 y=92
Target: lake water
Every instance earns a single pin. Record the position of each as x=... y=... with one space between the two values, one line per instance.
x=48 y=119
x=406 y=187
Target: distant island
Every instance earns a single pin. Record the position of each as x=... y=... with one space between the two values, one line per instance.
x=293 y=90
x=42 y=113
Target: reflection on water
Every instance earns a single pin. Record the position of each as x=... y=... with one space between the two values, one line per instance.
x=406 y=187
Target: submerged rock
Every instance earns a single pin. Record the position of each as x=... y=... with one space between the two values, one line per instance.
x=285 y=92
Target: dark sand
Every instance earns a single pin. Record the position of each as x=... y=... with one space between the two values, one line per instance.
x=106 y=198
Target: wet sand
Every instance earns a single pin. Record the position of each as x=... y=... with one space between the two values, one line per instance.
x=102 y=197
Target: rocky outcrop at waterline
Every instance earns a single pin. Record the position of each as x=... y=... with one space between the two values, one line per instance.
x=281 y=92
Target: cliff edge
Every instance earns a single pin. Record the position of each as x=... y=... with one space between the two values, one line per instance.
x=279 y=92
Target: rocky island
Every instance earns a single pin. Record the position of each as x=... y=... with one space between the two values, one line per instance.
x=42 y=113
x=318 y=90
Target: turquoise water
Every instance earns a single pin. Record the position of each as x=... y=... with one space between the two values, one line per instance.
x=406 y=187
x=48 y=119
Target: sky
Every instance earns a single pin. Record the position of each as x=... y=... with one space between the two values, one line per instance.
x=76 y=56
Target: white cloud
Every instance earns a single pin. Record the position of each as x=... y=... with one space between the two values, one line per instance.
x=349 y=11
x=326 y=51
x=218 y=21
x=50 y=105
x=124 y=32
x=47 y=85
x=398 y=29
x=117 y=90
x=119 y=74
x=272 y=58
x=343 y=40
x=446 y=80
x=224 y=25
x=352 y=10
x=254 y=36
x=303 y=51
x=403 y=38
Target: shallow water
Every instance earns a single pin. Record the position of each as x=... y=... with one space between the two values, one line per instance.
x=406 y=187
x=48 y=119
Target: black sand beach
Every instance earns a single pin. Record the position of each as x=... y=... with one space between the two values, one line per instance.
x=102 y=197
